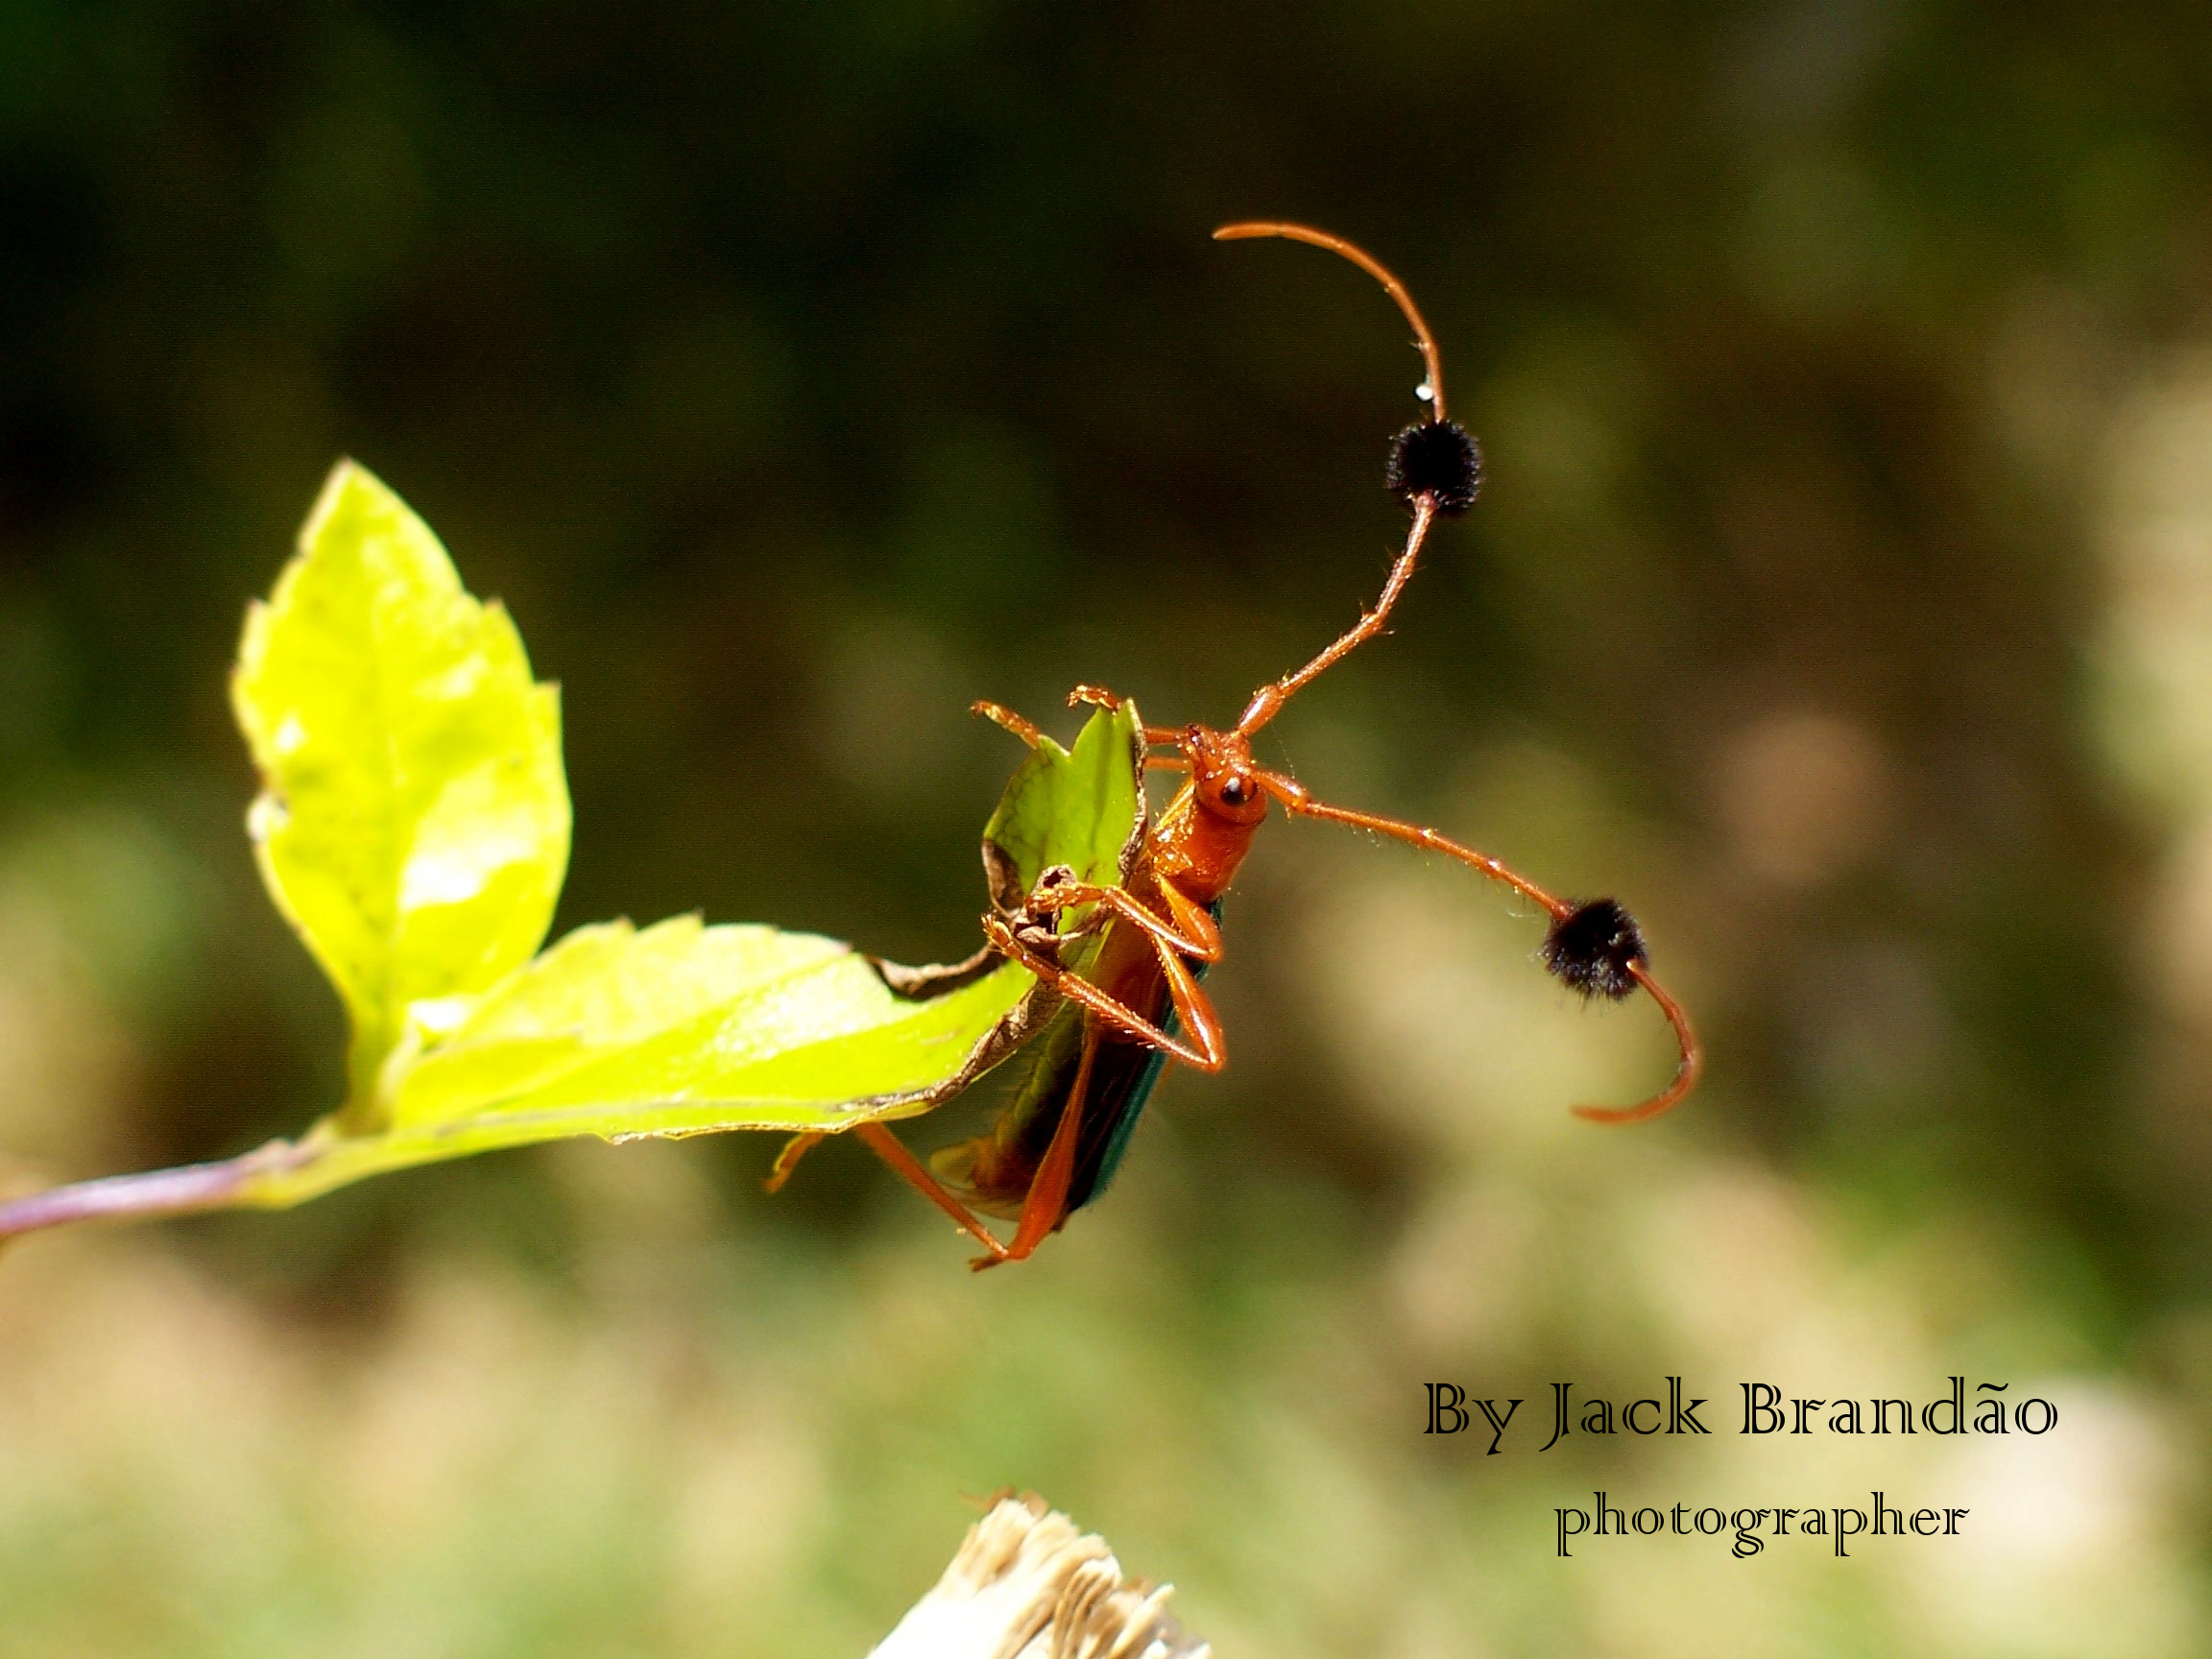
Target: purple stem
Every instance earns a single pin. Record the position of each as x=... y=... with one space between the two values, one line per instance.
x=175 y=1191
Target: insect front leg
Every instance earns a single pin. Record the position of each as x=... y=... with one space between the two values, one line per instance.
x=1193 y=935
x=1207 y=1053
x=1192 y=932
x=1098 y=697
x=1021 y=725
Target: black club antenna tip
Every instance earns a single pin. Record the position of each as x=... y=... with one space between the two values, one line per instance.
x=1591 y=948
x=1438 y=459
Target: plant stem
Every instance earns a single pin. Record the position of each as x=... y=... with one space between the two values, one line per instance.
x=178 y=1191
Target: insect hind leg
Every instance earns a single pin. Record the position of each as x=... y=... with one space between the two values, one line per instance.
x=787 y=1160
x=1046 y=1207
x=893 y=1151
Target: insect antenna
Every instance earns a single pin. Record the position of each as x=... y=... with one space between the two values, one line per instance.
x=1432 y=391
x=1435 y=467
x=1686 y=1074
x=1594 y=948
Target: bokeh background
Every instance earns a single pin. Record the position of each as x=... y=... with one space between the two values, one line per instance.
x=1841 y=599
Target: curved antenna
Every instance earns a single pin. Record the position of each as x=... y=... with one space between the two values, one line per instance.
x=1686 y=1073
x=1295 y=799
x=1245 y=229
x=1268 y=702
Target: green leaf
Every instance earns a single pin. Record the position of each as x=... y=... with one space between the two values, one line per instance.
x=685 y=1029
x=1083 y=808
x=413 y=824
x=682 y=1029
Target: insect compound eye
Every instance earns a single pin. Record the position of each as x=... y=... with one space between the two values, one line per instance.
x=1234 y=792
x=1591 y=948
x=1438 y=459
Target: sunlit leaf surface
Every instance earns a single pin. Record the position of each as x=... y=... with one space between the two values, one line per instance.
x=414 y=819
x=678 y=1029
x=685 y=1027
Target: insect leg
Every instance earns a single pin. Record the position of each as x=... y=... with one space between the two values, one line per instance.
x=787 y=1161
x=1268 y=702
x=1293 y=796
x=1193 y=932
x=1098 y=697
x=1021 y=726
x=1047 y=1205
x=1192 y=1007
x=888 y=1148
x=1026 y=729
x=1210 y=1055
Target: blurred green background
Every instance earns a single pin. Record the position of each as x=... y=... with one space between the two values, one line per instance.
x=1841 y=599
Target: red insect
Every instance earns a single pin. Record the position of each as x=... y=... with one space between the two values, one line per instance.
x=1059 y=1139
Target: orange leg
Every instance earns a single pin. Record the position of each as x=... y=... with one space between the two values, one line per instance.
x=1194 y=1009
x=1047 y=1205
x=1191 y=1006
x=1098 y=697
x=1019 y=725
x=1044 y=1207
x=888 y=1148
x=787 y=1160
x=1029 y=730
x=1193 y=933
x=1193 y=936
